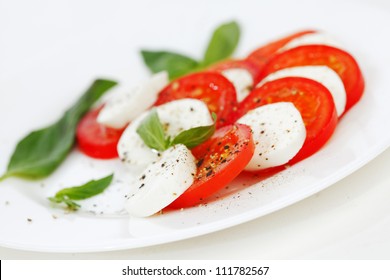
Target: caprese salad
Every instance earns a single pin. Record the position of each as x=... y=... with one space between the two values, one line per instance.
x=186 y=134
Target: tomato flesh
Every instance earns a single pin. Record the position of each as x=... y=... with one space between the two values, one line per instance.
x=263 y=54
x=313 y=101
x=96 y=140
x=338 y=60
x=212 y=88
x=219 y=161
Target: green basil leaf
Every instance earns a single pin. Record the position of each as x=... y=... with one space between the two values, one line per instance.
x=195 y=136
x=223 y=43
x=152 y=133
x=84 y=191
x=39 y=153
x=175 y=64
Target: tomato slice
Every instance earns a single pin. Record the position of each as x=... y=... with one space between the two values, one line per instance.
x=262 y=55
x=219 y=161
x=312 y=99
x=212 y=88
x=95 y=139
x=251 y=67
x=338 y=60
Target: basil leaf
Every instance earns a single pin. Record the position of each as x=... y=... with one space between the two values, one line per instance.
x=87 y=190
x=39 y=153
x=223 y=43
x=152 y=133
x=195 y=136
x=175 y=64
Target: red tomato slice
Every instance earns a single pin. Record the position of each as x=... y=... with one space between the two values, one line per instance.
x=219 y=161
x=95 y=139
x=262 y=55
x=338 y=60
x=251 y=67
x=212 y=88
x=312 y=99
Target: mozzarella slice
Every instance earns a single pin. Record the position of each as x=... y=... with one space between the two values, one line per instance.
x=316 y=38
x=175 y=116
x=242 y=81
x=162 y=182
x=278 y=133
x=124 y=106
x=322 y=74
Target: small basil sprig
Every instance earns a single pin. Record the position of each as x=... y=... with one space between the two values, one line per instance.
x=39 y=153
x=87 y=190
x=194 y=136
x=152 y=133
x=175 y=64
x=221 y=46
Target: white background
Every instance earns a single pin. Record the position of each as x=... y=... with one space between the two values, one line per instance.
x=349 y=220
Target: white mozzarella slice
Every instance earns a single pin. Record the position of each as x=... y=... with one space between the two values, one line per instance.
x=322 y=74
x=242 y=81
x=125 y=105
x=278 y=133
x=162 y=182
x=316 y=38
x=176 y=116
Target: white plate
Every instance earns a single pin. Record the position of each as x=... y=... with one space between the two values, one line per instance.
x=41 y=81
